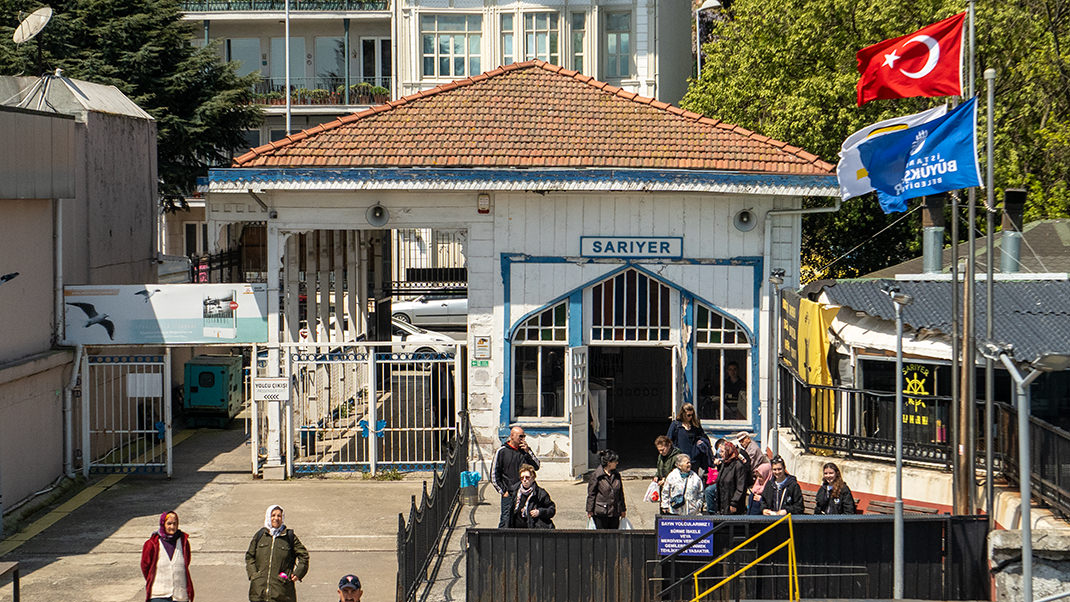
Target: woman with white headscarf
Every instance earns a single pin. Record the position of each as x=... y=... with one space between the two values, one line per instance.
x=275 y=560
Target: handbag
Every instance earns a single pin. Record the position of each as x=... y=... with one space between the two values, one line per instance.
x=651 y=494
x=677 y=500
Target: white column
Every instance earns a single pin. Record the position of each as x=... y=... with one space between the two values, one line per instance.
x=273 y=467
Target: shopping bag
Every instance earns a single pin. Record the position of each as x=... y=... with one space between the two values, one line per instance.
x=626 y=524
x=590 y=524
x=651 y=494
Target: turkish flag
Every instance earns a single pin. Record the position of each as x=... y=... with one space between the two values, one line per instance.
x=927 y=62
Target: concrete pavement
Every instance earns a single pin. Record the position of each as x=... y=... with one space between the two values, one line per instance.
x=93 y=552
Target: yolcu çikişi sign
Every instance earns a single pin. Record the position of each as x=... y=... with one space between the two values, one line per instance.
x=659 y=247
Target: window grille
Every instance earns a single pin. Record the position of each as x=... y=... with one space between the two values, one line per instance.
x=630 y=306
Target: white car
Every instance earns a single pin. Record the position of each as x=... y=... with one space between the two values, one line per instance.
x=430 y=310
x=407 y=338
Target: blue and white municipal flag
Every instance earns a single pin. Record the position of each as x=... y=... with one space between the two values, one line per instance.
x=853 y=178
x=936 y=156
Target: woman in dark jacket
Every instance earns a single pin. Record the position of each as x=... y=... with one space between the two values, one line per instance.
x=835 y=496
x=605 y=493
x=275 y=559
x=782 y=494
x=686 y=431
x=167 y=550
x=732 y=481
x=532 y=506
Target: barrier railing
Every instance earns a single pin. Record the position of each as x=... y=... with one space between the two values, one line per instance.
x=793 y=571
x=431 y=521
x=1050 y=451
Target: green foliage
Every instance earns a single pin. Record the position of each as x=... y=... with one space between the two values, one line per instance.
x=143 y=48
x=787 y=69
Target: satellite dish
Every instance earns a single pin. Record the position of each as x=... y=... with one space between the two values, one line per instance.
x=32 y=25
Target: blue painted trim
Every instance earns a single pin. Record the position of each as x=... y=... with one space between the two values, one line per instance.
x=506 y=409
x=415 y=175
x=575 y=318
x=536 y=429
x=755 y=403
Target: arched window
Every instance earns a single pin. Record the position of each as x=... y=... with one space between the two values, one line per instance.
x=630 y=306
x=722 y=363
x=539 y=364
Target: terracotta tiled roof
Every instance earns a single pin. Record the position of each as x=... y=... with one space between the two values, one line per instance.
x=533 y=114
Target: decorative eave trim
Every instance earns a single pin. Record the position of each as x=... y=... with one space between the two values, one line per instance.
x=224 y=180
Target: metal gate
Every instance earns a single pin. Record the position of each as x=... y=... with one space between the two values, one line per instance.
x=334 y=421
x=126 y=413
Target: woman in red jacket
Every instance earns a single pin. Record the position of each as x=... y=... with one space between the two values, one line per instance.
x=165 y=563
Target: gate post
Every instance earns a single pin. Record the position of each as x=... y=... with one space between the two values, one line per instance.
x=167 y=410
x=86 y=388
x=373 y=399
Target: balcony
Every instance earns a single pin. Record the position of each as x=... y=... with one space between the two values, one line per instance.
x=306 y=91
x=280 y=5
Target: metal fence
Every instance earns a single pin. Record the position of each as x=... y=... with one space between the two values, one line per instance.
x=126 y=413
x=428 y=261
x=858 y=422
x=279 y=5
x=1049 y=452
x=221 y=267
x=423 y=538
x=841 y=557
x=353 y=408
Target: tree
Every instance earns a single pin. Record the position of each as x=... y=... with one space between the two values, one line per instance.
x=787 y=69
x=142 y=47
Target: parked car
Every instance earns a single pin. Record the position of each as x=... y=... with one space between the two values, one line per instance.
x=433 y=310
x=407 y=338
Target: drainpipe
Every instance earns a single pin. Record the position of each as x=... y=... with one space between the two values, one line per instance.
x=767 y=261
x=932 y=236
x=57 y=272
x=68 y=415
x=1011 y=244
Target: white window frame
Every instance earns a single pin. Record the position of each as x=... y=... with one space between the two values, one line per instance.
x=531 y=36
x=201 y=237
x=557 y=344
x=745 y=366
x=577 y=49
x=511 y=33
x=467 y=54
x=673 y=305
x=606 y=56
x=378 y=78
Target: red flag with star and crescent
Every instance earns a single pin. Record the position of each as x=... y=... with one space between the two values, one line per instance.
x=927 y=62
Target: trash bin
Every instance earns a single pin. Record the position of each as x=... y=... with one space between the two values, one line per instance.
x=470 y=488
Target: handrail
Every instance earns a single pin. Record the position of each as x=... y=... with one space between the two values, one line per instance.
x=793 y=576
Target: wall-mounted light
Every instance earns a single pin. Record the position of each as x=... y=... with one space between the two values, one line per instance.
x=483 y=203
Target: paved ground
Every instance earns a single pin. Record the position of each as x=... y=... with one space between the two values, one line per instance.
x=93 y=553
x=92 y=550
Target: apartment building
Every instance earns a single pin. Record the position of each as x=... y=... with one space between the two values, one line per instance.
x=349 y=54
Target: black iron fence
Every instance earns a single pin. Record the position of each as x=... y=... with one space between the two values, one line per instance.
x=427 y=531
x=280 y=5
x=1049 y=457
x=840 y=557
x=221 y=267
x=862 y=422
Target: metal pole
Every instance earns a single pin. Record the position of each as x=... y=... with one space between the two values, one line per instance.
x=1024 y=468
x=167 y=418
x=955 y=359
x=698 y=46
x=372 y=414
x=776 y=278
x=990 y=210
x=286 y=45
x=897 y=560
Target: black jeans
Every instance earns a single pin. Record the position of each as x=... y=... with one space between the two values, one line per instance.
x=606 y=522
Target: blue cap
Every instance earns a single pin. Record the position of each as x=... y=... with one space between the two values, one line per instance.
x=349 y=581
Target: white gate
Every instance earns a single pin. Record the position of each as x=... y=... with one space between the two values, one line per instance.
x=126 y=413
x=352 y=409
x=577 y=403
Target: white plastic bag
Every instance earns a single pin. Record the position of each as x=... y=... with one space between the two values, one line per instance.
x=625 y=524
x=651 y=494
x=590 y=524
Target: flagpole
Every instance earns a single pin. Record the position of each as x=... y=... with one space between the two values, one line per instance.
x=990 y=206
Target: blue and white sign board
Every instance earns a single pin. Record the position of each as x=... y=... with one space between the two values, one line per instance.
x=675 y=533
x=154 y=314
x=632 y=247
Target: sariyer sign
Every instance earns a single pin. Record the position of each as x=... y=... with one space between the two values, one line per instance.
x=149 y=314
x=632 y=247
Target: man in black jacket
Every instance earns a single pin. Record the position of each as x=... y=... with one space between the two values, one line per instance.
x=505 y=469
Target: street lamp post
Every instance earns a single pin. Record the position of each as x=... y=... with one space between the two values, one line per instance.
x=776 y=278
x=707 y=5
x=1045 y=362
x=899 y=300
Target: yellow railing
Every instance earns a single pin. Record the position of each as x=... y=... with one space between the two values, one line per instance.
x=793 y=571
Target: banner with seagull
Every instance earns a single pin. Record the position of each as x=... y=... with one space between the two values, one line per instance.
x=155 y=314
